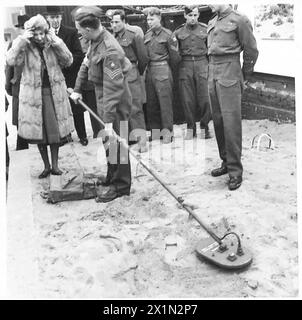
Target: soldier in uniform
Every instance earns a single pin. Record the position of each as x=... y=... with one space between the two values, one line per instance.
x=162 y=50
x=193 y=71
x=229 y=33
x=135 y=51
x=106 y=66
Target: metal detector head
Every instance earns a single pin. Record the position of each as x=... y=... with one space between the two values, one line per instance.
x=226 y=255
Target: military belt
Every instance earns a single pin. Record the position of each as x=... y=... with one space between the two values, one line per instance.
x=224 y=58
x=158 y=63
x=194 y=58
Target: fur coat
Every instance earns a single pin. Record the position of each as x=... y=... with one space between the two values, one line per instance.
x=56 y=56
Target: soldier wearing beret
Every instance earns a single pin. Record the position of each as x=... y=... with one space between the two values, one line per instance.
x=106 y=66
x=193 y=71
x=163 y=52
x=135 y=51
x=229 y=33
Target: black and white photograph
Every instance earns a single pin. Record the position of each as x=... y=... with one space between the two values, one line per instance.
x=151 y=150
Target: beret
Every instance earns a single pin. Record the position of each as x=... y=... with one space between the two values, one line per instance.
x=189 y=9
x=80 y=13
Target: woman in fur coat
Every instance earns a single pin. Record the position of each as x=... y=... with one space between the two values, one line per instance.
x=45 y=116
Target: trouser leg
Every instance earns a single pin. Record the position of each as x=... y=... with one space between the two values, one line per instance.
x=79 y=123
x=163 y=85
x=90 y=99
x=187 y=92
x=217 y=120
x=137 y=125
x=118 y=161
x=202 y=94
x=152 y=108
x=229 y=95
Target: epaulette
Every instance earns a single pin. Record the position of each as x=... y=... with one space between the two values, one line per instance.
x=169 y=32
x=203 y=24
x=241 y=15
x=182 y=25
x=131 y=31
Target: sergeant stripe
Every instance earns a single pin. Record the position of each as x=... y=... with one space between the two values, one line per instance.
x=112 y=74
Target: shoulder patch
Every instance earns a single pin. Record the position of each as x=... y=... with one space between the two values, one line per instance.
x=112 y=67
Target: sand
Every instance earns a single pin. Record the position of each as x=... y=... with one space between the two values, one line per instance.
x=143 y=245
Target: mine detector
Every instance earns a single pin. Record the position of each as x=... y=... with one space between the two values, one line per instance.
x=259 y=102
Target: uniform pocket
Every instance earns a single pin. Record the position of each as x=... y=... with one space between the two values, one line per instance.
x=227 y=83
x=132 y=75
x=161 y=77
x=230 y=96
x=182 y=36
x=204 y=71
x=160 y=46
x=228 y=28
x=182 y=75
x=125 y=42
x=95 y=72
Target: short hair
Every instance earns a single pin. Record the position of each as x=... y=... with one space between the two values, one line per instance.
x=119 y=12
x=189 y=9
x=90 y=22
x=37 y=22
x=153 y=11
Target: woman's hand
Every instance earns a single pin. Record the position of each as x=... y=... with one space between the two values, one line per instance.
x=27 y=34
x=52 y=37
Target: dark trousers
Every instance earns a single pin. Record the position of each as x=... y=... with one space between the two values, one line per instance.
x=137 y=120
x=90 y=99
x=193 y=87
x=79 y=122
x=225 y=89
x=118 y=160
x=159 y=83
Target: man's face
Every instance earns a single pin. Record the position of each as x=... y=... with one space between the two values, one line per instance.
x=54 y=20
x=85 y=32
x=192 y=17
x=117 y=24
x=153 y=21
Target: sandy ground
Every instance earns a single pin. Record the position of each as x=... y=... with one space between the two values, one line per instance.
x=121 y=249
